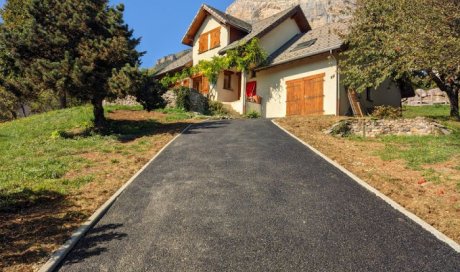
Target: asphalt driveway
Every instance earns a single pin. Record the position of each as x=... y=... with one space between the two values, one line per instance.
x=244 y=196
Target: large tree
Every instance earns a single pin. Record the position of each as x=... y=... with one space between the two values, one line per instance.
x=397 y=38
x=69 y=47
x=15 y=91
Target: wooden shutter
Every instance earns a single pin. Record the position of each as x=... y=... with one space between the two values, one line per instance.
x=205 y=85
x=203 y=46
x=215 y=38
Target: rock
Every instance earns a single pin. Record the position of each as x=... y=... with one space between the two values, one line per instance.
x=341 y=129
x=373 y=128
x=170 y=99
x=127 y=101
x=198 y=103
x=318 y=12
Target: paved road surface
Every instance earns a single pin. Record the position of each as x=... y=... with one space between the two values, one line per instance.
x=244 y=196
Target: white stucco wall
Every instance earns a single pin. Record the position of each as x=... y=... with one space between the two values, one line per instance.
x=224 y=95
x=273 y=40
x=271 y=85
x=209 y=24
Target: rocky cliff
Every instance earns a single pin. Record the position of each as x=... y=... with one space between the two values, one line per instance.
x=318 y=12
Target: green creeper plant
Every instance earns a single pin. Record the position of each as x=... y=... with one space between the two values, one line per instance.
x=242 y=58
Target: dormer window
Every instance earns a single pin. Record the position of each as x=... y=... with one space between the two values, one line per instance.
x=209 y=40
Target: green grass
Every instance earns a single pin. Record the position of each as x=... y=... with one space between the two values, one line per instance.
x=175 y=114
x=436 y=112
x=120 y=107
x=419 y=151
x=38 y=151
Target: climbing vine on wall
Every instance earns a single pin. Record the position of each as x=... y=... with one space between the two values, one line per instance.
x=242 y=58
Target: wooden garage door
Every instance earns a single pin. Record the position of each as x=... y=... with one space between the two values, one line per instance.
x=305 y=95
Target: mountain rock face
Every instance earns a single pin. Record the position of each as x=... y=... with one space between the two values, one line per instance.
x=318 y=12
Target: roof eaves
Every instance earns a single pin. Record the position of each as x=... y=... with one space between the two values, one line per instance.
x=284 y=15
x=318 y=52
x=222 y=17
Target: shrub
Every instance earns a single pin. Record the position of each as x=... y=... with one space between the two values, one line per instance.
x=386 y=112
x=216 y=108
x=253 y=115
x=183 y=98
x=341 y=129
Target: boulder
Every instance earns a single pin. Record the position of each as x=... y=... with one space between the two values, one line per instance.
x=198 y=102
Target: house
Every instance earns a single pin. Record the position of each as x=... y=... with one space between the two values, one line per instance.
x=300 y=77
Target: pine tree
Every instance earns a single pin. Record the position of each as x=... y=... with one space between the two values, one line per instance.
x=14 y=88
x=66 y=46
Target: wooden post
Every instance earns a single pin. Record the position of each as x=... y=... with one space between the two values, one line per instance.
x=364 y=128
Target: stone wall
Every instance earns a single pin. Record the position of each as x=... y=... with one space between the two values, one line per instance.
x=198 y=103
x=419 y=126
x=127 y=101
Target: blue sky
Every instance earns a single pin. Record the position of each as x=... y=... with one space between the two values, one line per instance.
x=162 y=24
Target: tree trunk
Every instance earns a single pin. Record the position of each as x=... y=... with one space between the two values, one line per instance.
x=23 y=108
x=63 y=100
x=452 y=92
x=98 y=110
x=454 y=103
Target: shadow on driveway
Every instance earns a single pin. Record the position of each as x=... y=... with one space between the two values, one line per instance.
x=95 y=242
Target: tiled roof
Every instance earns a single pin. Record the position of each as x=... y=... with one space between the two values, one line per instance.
x=179 y=63
x=316 y=41
x=166 y=61
x=264 y=26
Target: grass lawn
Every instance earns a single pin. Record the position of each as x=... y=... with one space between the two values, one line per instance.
x=422 y=173
x=423 y=152
x=55 y=171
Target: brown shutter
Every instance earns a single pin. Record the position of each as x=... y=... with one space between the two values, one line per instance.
x=205 y=87
x=215 y=38
x=203 y=46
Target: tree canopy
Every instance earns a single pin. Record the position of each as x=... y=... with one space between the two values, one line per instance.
x=67 y=47
x=398 y=38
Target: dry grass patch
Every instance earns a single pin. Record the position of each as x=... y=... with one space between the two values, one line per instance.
x=39 y=213
x=431 y=191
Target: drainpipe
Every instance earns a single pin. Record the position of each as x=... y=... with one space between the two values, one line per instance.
x=337 y=77
x=243 y=90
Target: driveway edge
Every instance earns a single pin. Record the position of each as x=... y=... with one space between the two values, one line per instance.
x=58 y=256
x=439 y=235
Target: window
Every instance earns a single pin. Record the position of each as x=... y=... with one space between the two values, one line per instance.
x=209 y=40
x=305 y=44
x=201 y=84
x=368 y=95
x=203 y=43
x=215 y=38
x=228 y=80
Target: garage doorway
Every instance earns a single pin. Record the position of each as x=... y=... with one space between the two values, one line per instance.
x=305 y=96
